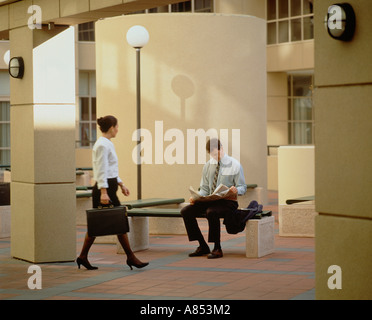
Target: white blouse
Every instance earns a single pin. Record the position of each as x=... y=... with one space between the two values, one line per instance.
x=105 y=162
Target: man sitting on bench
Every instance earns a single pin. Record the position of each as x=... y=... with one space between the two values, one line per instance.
x=220 y=169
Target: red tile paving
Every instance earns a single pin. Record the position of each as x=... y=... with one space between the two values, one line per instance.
x=288 y=273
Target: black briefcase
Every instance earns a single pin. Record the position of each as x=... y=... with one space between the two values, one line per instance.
x=105 y=221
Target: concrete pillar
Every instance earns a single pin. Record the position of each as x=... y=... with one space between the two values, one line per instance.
x=343 y=157
x=42 y=146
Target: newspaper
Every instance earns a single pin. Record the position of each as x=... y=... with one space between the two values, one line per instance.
x=221 y=192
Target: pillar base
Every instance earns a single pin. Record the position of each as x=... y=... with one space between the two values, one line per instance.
x=43 y=222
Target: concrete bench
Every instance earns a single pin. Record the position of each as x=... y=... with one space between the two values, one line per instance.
x=152 y=202
x=4 y=221
x=260 y=237
x=259 y=230
x=4 y=210
x=159 y=225
x=301 y=199
x=160 y=221
x=174 y=213
x=252 y=186
x=83 y=193
x=167 y=225
x=83 y=203
x=297 y=217
x=141 y=226
x=83 y=176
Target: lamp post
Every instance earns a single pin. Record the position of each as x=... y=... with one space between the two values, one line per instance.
x=137 y=37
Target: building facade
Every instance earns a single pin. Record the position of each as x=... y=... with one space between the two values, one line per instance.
x=342 y=137
x=290 y=68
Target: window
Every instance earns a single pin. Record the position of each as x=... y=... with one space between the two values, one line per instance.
x=185 y=6
x=86 y=31
x=203 y=5
x=289 y=21
x=300 y=110
x=181 y=7
x=87 y=109
x=4 y=118
x=4 y=133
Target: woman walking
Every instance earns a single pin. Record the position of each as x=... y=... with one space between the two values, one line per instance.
x=106 y=175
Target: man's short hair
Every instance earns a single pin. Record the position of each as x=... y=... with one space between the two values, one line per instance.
x=212 y=144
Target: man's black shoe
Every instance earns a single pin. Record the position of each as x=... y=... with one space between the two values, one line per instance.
x=200 y=252
x=215 y=254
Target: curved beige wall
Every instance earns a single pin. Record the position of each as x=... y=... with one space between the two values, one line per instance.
x=295 y=172
x=199 y=71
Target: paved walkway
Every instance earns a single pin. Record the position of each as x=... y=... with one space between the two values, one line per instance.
x=286 y=274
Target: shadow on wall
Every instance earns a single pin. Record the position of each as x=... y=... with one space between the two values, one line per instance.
x=184 y=88
x=190 y=80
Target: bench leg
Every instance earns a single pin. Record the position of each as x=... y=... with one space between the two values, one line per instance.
x=138 y=235
x=168 y=225
x=4 y=221
x=297 y=220
x=260 y=237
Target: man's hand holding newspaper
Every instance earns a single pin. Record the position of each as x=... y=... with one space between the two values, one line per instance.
x=221 y=192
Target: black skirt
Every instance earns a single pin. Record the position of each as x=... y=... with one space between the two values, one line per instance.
x=111 y=192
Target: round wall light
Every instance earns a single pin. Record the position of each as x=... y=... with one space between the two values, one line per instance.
x=340 y=21
x=16 y=67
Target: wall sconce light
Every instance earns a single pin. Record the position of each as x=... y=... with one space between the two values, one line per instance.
x=340 y=21
x=16 y=67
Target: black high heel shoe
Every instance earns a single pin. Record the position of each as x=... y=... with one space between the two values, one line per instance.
x=85 y=263
x=137 y=265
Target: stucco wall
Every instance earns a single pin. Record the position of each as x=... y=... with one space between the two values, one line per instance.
x=198 y=71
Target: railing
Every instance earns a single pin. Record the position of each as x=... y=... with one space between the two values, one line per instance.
x=7 y=167
x=271 y=147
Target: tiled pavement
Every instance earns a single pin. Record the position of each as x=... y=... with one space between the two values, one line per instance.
x=286 y=274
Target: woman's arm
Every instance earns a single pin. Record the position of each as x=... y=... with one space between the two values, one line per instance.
x=101 y=167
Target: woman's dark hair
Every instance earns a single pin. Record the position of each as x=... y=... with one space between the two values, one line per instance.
x=105 y=123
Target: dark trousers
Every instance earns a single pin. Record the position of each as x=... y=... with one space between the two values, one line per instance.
x=111 y=192
x=213 y=211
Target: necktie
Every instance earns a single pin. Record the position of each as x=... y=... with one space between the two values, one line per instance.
x=215 y=177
